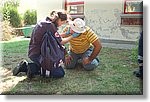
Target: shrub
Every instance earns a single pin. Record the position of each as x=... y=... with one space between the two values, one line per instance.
x=30 y=17
x=7 y=30
x=13 y=17
x=11 y=14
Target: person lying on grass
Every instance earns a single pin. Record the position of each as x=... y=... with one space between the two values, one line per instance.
x=84 y=48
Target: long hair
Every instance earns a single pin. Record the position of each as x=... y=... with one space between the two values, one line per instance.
x=58 y=15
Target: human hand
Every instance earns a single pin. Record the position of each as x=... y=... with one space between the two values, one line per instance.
x=68 y=31
x=86 y=60
x=71 y=31
x=75 y=35
x=68 y=60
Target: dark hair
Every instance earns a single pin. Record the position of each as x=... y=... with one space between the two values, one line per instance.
x=60 y=15
x=52 y=13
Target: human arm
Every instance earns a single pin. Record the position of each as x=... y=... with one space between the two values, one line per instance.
x=66 y=32
x=67 y=39
x=97 y=47
x=93 y=39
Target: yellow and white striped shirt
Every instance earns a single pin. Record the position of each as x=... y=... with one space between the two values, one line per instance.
x=83 y=42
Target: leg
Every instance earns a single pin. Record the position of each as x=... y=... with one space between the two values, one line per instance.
x=73 y=61
x=93 y=64
x=35 y=67
x=57 y=72
x=139 y=72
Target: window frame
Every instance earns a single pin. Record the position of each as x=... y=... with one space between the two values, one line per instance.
x=74 y=3
x=130 y=12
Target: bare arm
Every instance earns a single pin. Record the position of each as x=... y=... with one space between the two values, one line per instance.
x=97 y=48
x=66 y=40
x=63 y=35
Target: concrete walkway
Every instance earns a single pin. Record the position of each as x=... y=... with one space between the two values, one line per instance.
x=19 y=38
x=118 y=44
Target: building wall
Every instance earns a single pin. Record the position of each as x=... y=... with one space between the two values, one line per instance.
x=26 y=5
x=45 y=7
x=105 y=19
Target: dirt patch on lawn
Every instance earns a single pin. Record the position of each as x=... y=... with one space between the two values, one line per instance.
x=9 y=62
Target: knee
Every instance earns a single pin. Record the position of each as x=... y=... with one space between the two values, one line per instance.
x=89 y=67
x=70 y=66
x=92 y=65
x=58 y=72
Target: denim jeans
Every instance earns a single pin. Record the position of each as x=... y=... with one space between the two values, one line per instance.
x=77 y=58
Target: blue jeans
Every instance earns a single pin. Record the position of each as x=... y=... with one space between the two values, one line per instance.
x=77 y=58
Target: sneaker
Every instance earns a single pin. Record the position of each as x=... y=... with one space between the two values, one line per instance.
x=29 y=73
x=21 y=67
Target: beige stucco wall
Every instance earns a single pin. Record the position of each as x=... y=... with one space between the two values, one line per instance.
x=105 y=18
x=45 y=7
x=27 y=5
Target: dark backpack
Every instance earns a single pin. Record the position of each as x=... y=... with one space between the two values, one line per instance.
x=52 y=51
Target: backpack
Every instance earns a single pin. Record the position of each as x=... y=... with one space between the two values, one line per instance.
x=52 y=52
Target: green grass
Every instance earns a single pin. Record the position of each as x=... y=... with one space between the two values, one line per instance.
x=112 y=76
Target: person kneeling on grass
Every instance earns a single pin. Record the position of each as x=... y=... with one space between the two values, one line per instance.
x=84 y=48
x=45 y=48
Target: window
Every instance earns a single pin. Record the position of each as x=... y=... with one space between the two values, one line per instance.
x=133 y=13
x=133 y=7
x=75 y=8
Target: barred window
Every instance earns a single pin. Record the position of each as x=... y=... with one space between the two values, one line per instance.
x=133 y=7
x=75 y=8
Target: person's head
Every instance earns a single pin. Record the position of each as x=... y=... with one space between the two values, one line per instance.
x=78 y=25
x=58 y=18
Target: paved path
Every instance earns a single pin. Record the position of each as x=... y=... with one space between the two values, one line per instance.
x=16 y=39
x=118 y=44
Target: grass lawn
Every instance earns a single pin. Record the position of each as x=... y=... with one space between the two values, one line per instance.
x=112 y=76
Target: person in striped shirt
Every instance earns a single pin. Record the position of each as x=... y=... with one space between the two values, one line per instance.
x=84 y=48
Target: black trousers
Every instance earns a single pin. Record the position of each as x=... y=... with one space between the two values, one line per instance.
x=35 y=66
x=140 y=50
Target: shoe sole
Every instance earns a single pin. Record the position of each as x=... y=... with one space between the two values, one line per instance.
x=29 y=73
x=15 y=71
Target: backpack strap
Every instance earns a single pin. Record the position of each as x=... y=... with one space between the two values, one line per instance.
x=48 y=31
